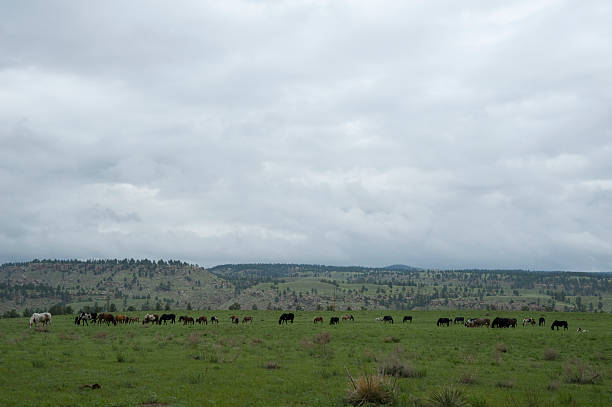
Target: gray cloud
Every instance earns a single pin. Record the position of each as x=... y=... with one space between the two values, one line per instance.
x=471 y=135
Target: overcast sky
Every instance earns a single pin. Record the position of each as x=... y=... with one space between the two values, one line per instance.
x=436 y=134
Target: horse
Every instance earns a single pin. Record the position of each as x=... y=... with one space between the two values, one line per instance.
x=82 y=318
x=148 y=318
x=582 y=331
x=133 y=320
x=214 y=320
x=334 y=320
x=165 y=318
x=106 y=317
x=443 y=321
x=286 y=317
x=477 y=322
x=202 y=319
x=318 y=319
x=187 y=320
x=458 y=319
x=43 y=318
x=94 y=317
x=541 y=321
x=407 y=318
x=235 y=319
x=347 y=317
x=121 y=319
x=559 y=324
x=247 y=319
x=529 y=320
x=388 y=318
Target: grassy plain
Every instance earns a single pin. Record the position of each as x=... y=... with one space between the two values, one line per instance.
x=264 y=364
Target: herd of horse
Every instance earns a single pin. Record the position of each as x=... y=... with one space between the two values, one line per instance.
x=83 y=318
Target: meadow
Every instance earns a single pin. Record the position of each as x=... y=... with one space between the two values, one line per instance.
x=302 y=364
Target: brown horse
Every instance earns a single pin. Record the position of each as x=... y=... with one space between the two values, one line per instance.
x=187 y=320
x=247 y=319
x=133 y=320
x=106 y=317
x=121 y=319
x=318 y=319
x=202 y=319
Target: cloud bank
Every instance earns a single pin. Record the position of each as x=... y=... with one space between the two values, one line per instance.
x=451 y=135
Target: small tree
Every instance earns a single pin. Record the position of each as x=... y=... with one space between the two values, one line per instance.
x=113 y=307
x=189 y=306
x=234 y=306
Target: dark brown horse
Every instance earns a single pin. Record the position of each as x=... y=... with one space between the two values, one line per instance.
x=203 y=319
x=318 y=319
x=106 y=317
x=247 y=319
x=187 y=320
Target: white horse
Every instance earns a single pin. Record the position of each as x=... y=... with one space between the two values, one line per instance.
x=44 y=318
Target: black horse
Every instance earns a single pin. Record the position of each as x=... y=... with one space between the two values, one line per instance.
x=444 y=321
x=334 y=320
x=407 y=318
x=541 y=321
x=286 y=317
x=388 y=318
x=459 y=319
x=503 y=323
x=165 y=318
x=214 y=320
x=559 y=324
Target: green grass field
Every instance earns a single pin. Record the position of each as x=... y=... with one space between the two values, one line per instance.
x=264 y=364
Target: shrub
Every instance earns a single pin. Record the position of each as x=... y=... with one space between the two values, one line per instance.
x=505 y=384
x=580 y=373
x=468 y=378
x=554 y=386
x=120 y=357
x=369 y=388
x=271 y=365
x=550 y=354
x=448 y=396
x=399 y=368
x=501 y=347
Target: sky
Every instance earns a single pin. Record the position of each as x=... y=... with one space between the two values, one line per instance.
x=438 y=134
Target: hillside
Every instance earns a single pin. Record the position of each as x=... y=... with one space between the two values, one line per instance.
x=144 y=284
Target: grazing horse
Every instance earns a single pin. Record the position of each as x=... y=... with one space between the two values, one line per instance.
x=247 y=319
x=477 y=322
x=407 y=318
x=318 y=319
x=214 y=320
x=347 y=317
x=444 y=321
x=165 y=318
x=148 y=318
x=388 y=318
x=121 y=319
x=529 y=320
x=541 y=321
x=202 y=319
x=458 y=319
x=82 y=318
x=106 y=317
x=286 y=317
x=235 y=319
x=133 y=320
x=43 y=318
x=187 y=320
x=504 y=323
x=559 y=324
x=334 y=320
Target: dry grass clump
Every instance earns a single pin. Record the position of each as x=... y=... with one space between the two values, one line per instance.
x=391 y=339
x=501 y=347
x=369 y=389
x=256 y=340
x=399 y=368
x=505 y=384
x=550 y=354
x=579 y=372
x=271 y=365
x=468 y=378
x=193 y=339
x=448 y=396
x=101 y=335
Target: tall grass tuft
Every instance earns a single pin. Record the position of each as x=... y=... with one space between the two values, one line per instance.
x=448 y=396
x=550 y=354
x=579 y=372
x=369 y=389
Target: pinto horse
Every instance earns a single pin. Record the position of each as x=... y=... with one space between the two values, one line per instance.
x=247 y=319
x=214 y=320
x=318 y=319
x=529 y=320
x=202 y=319
x=235 y=319
x=148 y=318
x=559 y=324
x=82 y=318
x=286 y=317
x=347 y=317
x=43 y=318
